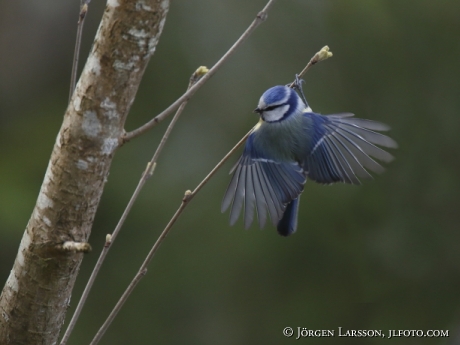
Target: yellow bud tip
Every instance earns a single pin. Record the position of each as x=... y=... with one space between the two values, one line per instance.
x=198 y=74
x=324 y=54
x=108 y=238
x=201 y=71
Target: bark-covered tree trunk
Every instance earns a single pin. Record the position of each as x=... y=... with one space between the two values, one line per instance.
x=37 y=293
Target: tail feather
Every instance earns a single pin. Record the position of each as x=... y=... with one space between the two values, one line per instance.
x=288 y=223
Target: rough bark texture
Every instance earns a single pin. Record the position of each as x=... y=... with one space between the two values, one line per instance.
x=37 y=293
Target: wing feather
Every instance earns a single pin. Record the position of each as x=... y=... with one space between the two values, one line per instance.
x=239 y=194
x=249 y=203
x=275 y=212
x=261 y=200
x=354 y=163
x=231 y=189
x=342 y=148
x=262 y=184
x=347 y=172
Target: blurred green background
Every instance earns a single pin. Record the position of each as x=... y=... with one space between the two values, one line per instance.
x=385 y=255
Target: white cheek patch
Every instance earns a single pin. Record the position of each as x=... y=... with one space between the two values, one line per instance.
x=275 y=114
x=261 y=104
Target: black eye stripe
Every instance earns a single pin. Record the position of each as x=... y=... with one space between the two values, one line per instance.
x=274 y=107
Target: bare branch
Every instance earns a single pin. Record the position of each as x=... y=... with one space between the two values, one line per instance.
x=188 y=196
x=181 y=102
x=148 y=172
x=76 y=54
x=323 y=54
x=261 y=17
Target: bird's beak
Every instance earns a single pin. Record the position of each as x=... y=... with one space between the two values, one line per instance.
x=257 y=110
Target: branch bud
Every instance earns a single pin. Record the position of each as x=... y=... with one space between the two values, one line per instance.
x=323 y=54
x=200 y=72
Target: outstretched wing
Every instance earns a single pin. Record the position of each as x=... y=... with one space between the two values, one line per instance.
x=342 y=147
x=263 y=184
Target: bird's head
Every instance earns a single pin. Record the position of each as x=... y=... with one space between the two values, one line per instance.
x=278 y=103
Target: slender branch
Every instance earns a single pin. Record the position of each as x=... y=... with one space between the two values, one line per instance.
x=188 y=196
x=323 y=54
x=261 y=17
x=85 y=294
x=148 y=172
x=193 y=87
x=196 y=76
x=76 y=54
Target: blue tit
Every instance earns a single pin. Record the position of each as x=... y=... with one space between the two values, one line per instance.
x=291 y=144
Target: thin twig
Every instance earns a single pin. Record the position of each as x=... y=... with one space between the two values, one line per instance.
x=85 y=294
x=323 y=54
x=143 y=269
x=148 y=172
x=76 y=54
x=261 y=17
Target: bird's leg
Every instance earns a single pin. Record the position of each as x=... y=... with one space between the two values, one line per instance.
x=298 y=86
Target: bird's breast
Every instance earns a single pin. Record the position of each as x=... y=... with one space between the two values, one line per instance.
x=284 y=140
